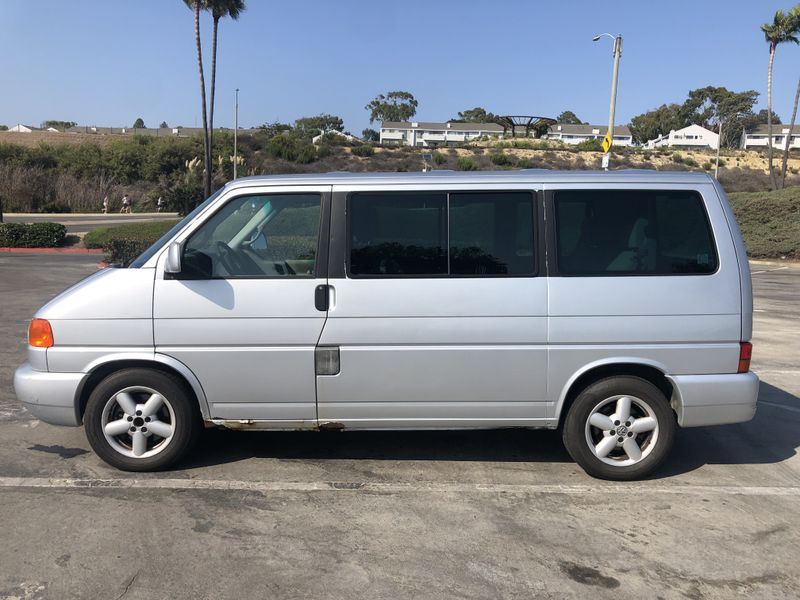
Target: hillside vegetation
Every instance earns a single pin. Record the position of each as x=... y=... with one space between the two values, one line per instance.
x=61 y=177
x=770 y=222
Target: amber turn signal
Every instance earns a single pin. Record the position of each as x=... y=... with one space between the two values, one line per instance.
x=40 y=334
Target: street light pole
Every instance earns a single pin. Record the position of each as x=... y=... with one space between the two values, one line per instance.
x=614 y=77
x=236 y=134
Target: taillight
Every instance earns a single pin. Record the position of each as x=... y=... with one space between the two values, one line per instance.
x=40 y=334
x=745 y=354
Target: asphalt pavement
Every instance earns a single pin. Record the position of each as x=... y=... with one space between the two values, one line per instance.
x=499 y=514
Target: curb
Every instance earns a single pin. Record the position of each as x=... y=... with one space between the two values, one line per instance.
x=55 y=250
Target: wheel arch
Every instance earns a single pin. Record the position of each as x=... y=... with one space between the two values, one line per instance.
x=105 y=366
x=652 y=371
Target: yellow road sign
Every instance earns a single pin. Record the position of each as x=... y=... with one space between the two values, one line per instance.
x=607 y=142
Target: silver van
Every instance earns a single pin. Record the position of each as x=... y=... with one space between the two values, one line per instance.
x=614 y=306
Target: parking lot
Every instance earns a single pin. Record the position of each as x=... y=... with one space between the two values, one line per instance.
x=401 y=514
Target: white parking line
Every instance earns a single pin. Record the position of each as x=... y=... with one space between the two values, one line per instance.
x=415 y=487
x=783 y=406
x=768 y=270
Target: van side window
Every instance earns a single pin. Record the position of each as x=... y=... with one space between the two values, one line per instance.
x=257 y=236
x=398 y=234
x=467 y=234
x=491 y=233
x=632 y=232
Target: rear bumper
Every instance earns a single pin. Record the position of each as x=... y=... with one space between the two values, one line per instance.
x=714 y=399
x=48 y=396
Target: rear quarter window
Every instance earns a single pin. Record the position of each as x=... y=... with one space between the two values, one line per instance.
x=632 y=232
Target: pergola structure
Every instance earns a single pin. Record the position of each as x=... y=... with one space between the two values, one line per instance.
x=529 y=122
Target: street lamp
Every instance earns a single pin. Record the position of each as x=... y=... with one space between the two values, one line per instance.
x=617 y=53
x=235 y=133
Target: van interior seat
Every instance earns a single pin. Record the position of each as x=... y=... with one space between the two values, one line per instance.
x=641 y=252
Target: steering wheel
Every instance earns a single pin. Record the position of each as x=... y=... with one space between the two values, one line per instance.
x=232 y=262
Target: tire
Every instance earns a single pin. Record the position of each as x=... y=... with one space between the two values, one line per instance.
x=141 y=420
x=593 y=416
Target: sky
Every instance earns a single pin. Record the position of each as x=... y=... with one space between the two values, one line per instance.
x=107 y=62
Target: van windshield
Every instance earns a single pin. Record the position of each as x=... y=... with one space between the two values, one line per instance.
x=140 y=260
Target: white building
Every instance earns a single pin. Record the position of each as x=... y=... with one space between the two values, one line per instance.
x=757 y=138
x=435 y=134
x=575 y=134
x=693 y=136
x=20 y=128
x=350 y=138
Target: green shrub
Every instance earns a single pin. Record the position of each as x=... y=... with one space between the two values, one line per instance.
x=32 y=235
x=690 y=162
x=56 y=208
x=363 y=150
x=466 y=164
x=707 y=166
x=529 y=163
x=721 y=162
x=292 y=149
x=589 y=146
x=141 y=233
x=439 y=158
x=677 y=158
x=501 y=159
x=770 y=222
x=306 y=154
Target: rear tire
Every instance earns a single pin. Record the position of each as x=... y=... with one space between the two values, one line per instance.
x=620 y=428
x=141 y=420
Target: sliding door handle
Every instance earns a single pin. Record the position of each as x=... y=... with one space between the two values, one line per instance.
x=321 y=298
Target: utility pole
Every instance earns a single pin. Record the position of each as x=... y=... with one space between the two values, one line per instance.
x=613 y=104
x=236 y=134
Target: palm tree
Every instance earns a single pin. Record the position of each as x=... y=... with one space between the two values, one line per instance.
x=197 y=6
x=219 y=9
x=782 y=29
x=794 y=15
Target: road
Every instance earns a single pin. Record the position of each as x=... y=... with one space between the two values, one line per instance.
x=82 y=223
x=501 y=514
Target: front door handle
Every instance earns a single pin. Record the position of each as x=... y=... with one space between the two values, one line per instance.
x=321 y=297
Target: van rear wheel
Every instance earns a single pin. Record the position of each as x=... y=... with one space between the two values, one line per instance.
x=619 y=428
x=141 y=420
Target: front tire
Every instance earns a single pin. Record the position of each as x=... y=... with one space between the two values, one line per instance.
x=141 y=420
x=620 y=428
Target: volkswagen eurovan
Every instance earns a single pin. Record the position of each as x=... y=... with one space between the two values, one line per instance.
x=615 y=306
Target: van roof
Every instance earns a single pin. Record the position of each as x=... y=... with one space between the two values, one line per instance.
x=473 y=177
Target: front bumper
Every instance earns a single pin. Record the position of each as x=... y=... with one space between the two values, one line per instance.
x=714 y=399
x=48 y=396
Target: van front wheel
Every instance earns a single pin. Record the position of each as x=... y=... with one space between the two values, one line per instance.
x=140 y=420
x=619 y=428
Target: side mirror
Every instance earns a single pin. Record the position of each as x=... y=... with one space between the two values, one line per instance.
x=173 y=262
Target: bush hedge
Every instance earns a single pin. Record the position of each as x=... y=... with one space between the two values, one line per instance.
x=770 y=222
x=364 y=150
x=126 y=242
x=32 y=235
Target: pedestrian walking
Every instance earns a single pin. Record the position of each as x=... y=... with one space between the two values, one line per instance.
x=159 y=204
x=126 y=205
x=105 y=205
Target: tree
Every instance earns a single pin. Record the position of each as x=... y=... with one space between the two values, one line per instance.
x=782 y=29
x=219 y=9
x=3 y=127
x=276 y=128
x=138 y=123
x=196 y=6
x=717 y=107
x=794 y=15
x=370 y=135
x=60 y=125
x=311 y=126
x=569 y=118
x=163 y=125
x=476 y=115
x=654 y=123
x=394 y=106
